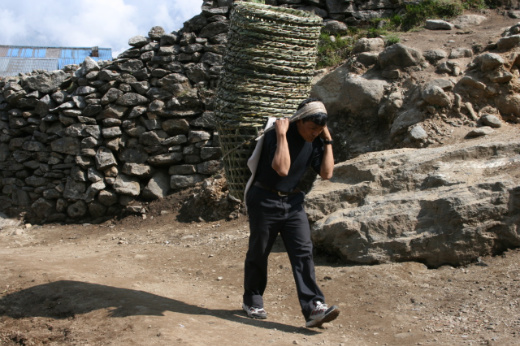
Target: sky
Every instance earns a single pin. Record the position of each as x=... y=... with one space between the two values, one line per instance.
x=89 y=23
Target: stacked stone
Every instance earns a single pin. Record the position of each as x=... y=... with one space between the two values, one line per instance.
x=95 y=139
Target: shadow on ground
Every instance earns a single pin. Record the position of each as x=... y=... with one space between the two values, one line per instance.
x=66 y=299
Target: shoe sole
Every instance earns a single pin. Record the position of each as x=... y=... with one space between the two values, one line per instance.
x=331 y=316
x=257 y=317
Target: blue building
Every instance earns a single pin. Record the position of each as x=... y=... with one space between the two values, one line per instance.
x=25 y=59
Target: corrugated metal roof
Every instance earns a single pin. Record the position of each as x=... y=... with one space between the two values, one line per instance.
x=14 y=66
x=70 y=56
x=25 y=59
x=53 y=52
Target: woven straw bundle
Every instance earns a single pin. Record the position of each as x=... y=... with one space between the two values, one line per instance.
x=268 y=69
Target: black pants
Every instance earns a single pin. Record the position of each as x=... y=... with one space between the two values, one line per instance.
x=270 y=214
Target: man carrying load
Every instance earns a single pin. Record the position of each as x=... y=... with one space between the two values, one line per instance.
x=275 y=205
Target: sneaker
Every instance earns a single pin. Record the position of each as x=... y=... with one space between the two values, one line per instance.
x=321 y=314
x=254 y=312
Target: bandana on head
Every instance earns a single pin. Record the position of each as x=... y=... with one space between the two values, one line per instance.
x=306 y=111
x=309 y=109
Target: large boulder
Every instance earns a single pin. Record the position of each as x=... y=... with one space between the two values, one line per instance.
x=435 y=95
x=400 y=56
x=468 y=20
x=446 y=205
x=345 y=92
x=509 y=105
x=364 y=44
x=47 y=82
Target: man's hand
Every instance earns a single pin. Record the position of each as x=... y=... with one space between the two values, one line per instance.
x=325 y=134
x=281 y=126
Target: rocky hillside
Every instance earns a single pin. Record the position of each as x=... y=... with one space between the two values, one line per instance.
x=424 y=90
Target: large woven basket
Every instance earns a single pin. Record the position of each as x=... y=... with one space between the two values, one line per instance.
x=267 y=71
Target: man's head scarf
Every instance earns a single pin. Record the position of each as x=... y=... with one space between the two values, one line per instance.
x=305 y=111
x=309 y=109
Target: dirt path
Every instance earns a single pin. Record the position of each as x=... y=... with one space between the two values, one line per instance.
x=160 y=282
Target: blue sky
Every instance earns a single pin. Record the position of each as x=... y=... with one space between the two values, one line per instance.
x=89 y=23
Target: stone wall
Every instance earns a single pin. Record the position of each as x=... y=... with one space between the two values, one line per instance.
x=94 y=140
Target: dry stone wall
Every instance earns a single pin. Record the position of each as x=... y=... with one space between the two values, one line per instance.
x=94 y=140
x=98 y=139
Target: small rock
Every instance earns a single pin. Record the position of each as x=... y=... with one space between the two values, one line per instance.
x=418 y=133
x=18 y=232
x=514 y=14
x=436 y=24
x=481 y=131
x=490 y=120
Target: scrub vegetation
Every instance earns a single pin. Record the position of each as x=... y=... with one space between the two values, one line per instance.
x=333 y=50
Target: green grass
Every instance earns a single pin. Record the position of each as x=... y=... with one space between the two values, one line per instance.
x=392 y=39
x=417 y=14
x=481 y=4
x=333 y=51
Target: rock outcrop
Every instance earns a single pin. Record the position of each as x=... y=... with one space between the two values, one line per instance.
x=377 y=100
x=445 y=205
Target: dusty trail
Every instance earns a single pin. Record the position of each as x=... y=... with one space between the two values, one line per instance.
x=136 y=282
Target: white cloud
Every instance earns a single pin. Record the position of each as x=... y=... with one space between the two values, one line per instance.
x=87 y=23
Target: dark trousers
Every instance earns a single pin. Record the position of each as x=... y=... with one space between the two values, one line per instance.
x=270 y=214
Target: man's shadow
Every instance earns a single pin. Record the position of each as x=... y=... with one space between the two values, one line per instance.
x=66 y=299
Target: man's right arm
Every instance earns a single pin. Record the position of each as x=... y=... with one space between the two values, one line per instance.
x=282 y=158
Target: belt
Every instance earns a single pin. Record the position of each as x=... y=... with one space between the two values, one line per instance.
x=276 y=192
